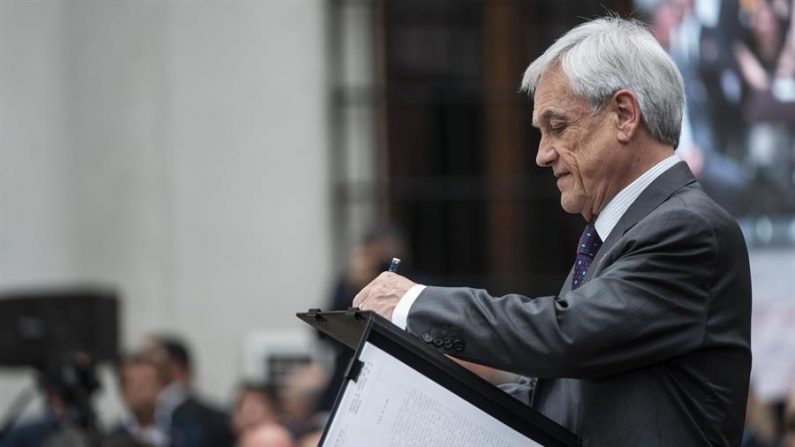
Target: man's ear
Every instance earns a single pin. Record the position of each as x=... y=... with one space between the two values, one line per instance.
x=628 y=113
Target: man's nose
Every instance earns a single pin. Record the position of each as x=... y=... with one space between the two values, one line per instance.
x=546 y=154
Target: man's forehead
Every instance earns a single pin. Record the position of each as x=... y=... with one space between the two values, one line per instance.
x=551 y=84
x=554 y=98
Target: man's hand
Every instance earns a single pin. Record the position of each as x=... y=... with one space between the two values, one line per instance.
x=383 y=293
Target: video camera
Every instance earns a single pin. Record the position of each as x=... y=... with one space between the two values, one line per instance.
x=61 y=333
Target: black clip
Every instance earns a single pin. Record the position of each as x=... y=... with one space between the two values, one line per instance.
x=354 y=369
x=353 y=312
x=315 y=313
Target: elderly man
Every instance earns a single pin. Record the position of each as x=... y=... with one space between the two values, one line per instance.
x=648 y=342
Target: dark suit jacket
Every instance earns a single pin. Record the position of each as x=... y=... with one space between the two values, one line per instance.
x=652 y=350
x=31 y=434
x=120 y=436
x=196 y=424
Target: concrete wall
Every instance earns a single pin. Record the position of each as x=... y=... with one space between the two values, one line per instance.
x=177 y=150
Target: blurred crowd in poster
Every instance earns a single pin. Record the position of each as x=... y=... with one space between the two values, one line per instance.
x=737 y=58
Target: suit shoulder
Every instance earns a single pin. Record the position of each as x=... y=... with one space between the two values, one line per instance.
x=196 y=406
x=692 y=207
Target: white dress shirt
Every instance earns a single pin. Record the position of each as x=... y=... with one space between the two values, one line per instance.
x=604 y=224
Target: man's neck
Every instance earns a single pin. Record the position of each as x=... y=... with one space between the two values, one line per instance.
x=620 y=203
x=645 y=154
x=144 y=418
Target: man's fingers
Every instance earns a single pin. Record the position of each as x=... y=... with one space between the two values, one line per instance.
x=359 y=298
x=363 y=294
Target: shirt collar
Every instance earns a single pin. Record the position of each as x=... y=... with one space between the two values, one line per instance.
x=170 y=398
x=620 y=203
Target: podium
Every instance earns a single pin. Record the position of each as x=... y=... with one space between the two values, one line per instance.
x=400 y=392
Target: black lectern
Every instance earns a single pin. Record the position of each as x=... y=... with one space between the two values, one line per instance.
x=400 y=392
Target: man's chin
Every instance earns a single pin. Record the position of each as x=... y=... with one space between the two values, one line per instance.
x=571 y=205
x=568 y=205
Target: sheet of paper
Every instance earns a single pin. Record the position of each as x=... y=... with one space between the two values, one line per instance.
x=392 y=405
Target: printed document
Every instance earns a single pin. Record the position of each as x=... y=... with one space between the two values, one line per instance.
x=392 y=405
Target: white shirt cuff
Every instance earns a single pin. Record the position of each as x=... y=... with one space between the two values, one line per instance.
x=400 y=315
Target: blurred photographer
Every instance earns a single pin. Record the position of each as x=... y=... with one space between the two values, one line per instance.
x=69 y=420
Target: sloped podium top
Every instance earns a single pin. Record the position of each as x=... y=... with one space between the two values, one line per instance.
x=399 y=391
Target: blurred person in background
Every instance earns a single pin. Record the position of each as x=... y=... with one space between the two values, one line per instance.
x=267 y=435
x=712 y=94
x=760 y=428
x=789 y=420
x=300 y=396
x=69 y=419
x=140 y=384
x=33 y=433
x=371 y=257
x=311 y=439
x=790 y=427
x=188 y=420
x=766 y=58
x=255 y=404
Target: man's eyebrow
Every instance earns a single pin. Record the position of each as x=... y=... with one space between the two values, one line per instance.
x=547 y=116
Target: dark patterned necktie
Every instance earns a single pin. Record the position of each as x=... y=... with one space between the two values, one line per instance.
x=586 y=249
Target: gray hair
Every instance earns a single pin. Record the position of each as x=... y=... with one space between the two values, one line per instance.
x=608 y=54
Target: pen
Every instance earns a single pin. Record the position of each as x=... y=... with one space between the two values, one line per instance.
x=394 y=265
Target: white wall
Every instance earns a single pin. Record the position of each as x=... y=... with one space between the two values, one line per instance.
x=175 y=149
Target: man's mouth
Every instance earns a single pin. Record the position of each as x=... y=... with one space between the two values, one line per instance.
x=560 y=177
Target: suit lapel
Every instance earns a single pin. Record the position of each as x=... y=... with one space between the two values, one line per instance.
x=657 y=192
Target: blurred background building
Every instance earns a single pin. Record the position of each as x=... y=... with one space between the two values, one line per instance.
x=218 y=162
x=177 y=151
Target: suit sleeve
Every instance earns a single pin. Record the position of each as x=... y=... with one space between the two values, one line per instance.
x=648 y=303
